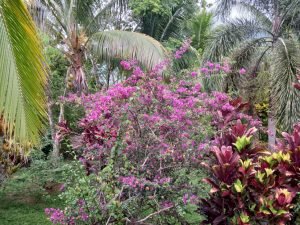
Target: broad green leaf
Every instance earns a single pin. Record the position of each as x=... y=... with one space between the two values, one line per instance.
x=109 y=45
x=238 y=186
x=242 y=142
x=22 y=74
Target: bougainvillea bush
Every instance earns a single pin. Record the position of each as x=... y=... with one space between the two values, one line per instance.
x=142 y=146
x=251 y=185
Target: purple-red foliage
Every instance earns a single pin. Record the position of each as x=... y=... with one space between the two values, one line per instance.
x=249 y=183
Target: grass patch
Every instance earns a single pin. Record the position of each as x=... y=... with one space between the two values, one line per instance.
x=26 y=194
x=25 y=209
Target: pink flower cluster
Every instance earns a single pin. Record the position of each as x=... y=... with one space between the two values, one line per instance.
x=159 y=119
x=57 y=216
x=210 y=69
x=133 y=182
x=183 y=49
x=128 y=64
x=242 y=71
x=160 y=127
x=192 y=199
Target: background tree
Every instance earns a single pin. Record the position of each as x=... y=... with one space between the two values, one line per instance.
x=77 y=24
x=200 y=27
x=266 y=34
x=164 y=19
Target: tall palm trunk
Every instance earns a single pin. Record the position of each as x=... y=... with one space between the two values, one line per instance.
x=76 y=80
x=271 y=129
x=55 y=151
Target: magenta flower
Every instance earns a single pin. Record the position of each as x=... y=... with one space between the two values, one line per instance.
x=194 y=74
x=204 y=70
x=125 y=65
x=242 y=71
x=183 y=49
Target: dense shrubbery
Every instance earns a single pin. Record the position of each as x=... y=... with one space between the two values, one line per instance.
x=251 y=185
x=144 y=148
x=144 y=141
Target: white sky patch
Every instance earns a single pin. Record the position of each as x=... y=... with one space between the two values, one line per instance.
x=235 y=13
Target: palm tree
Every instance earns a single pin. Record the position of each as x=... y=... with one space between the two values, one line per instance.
x=79 y=24
x=22 y=76
x=165 y=20
x=200 y=27
x=266 y=35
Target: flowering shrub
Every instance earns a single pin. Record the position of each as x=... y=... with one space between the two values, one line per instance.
x=183 y=49
x=143 y=142
x=213 y=75
x=251 y=185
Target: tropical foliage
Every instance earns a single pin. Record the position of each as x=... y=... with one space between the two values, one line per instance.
x=250 y=184
x=265 y=35
x=180 y=123
x=139 y=139
x=22 y=74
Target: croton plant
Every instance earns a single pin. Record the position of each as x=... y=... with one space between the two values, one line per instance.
x=251 y=185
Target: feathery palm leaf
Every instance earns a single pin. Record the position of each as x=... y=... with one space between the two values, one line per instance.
x=170 y=21
x=229 y=35
x=127 y=45
x=285 y=62
x=272 y=41
x=22 y=73
x=200 y=28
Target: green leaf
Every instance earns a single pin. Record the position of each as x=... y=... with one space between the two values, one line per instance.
x=260 y=176
x=242 y=142
x=110 y=45
x=22 y=74
x=269 y=172
x=238 y=186
x=245 y=218
x=246 y=163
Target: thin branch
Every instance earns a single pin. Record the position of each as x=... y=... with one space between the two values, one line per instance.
x=153 y=214
x=169 y=23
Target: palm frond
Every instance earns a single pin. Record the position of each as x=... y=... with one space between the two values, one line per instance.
x=285 y=61
x=246 y=55
x=173 y=25
x=22 y=74
x=111 y=7
x=257 y=13
x=224 y=7
x=200 y=27
x=109 y=45
x=171 y=22
x=225 y=37
x=87 y=14
x=242 y=55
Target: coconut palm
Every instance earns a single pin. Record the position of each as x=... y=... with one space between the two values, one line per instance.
x=200 y=28
x=81 y=27
x=22 y=76
x=267 y=34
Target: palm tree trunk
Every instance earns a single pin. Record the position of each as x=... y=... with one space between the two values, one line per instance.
x=108 y=77
x=55 y=134
x=2 y=169
x=271 y=129
x=76 y=69
x=55 y=151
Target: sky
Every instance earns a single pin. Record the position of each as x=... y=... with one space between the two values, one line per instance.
x=235 y=13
